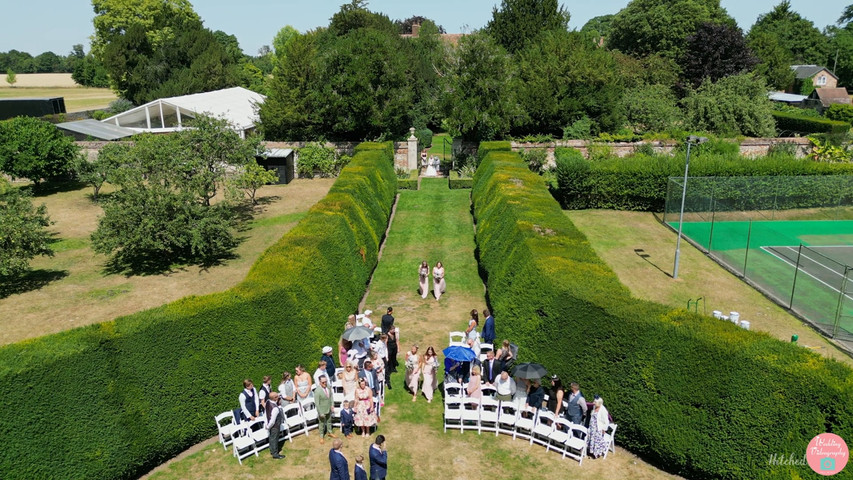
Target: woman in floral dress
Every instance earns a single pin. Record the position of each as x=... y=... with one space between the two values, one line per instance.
x=597 y=427
x=365 y=414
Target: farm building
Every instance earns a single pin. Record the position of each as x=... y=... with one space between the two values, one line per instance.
x=31 y=107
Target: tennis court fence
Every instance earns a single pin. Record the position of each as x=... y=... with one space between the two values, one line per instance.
x=790 y=237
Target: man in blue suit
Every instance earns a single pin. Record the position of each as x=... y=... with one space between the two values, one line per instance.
x=488 y=328
x=347 y=418
x=378 y=459
x=340 y=467
x=359 y=473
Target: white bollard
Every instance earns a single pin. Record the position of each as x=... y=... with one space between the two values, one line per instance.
x=744 y=324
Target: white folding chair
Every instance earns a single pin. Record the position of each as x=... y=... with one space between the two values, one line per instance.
x=576 y=444
x=508 y=413
x=489 y=412
x=452 y=413
x=542 y=428
x=560 y=435
x=309 y=413
x=226 y=430
x=457 y=339
x=244 y=444
x=524 y=423
x=471 y=414
x=294 y=420
x=489 y=391
x=453 y=390
x=610 y=438
x=260 y=435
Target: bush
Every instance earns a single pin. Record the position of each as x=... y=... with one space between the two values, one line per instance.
x=840 y=113
x=34 y=149
x=790 y=123
x=424 y=136
x=731 y=106
x=639 y=182
x=136 y=391
x=409 y=181
x=668 y=376
x=580 y=129
x=455 y=181
x=535 y=158
x=313 y=158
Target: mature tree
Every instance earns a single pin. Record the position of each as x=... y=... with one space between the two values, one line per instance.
x=797 y=35
x=481 y=101
x=735 y=105
x=599 y=27
x=23 y=233
x=564 y=77
x=647 y=27
x=97 y=171
x=518 y=22
x=21 y=62
x=774 y=60
x=279 y=42
x=651 y=70
x=254 y=177
x=651 y=108
x=156 y=17
x=87 y=70
x=48 y=62
x=34 y=149
x=427 y=56
x=230 y=45
x=11 y=77
x=846 y=16
x=161 y=212
x=405 y=26
x=355 y=15
x=715 y=51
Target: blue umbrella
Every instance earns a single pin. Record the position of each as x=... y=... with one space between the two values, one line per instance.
x=460 y=354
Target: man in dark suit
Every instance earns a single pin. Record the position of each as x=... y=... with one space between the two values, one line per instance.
x=491 y=368
x=369 y=374
x=378 y=459
x=340 y=467
x=388 y=320
x=330 y=362
x=488 y=328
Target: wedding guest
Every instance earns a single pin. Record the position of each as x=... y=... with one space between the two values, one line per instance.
x=343 y=347
x=365 y=415
x=348 y=418
x=248 y=401
x=413 y=371
x=491 y=368
x=323 y=400
x=379 y=368
x=350 y=322
x=321 y=371
x=303 y=384
x=264 y=391
x=473 y=323
x=378 y=459
x=369 y=374
x=576 y=410
x=438 y=282
x=388 y=320
x=488 y=328
x=555 y=396
x=506 y=356
x=505 y=387
x=430 y=365
x=273 y=425
x=393 y=348
x=330 y=362
x=338 y=462
x=423 y=277
x=598 y=423
x=381 y=348
x=359 y=473
x=475 y=389
x=286 y=390
x=536 y=395
x=522 y=388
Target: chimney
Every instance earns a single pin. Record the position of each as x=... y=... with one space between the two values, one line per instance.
x=416 y=28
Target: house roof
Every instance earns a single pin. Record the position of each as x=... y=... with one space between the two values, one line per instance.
x=237 y=105
x=828 y=96
x=802 y=72
x=786 y=97
x=96 y=129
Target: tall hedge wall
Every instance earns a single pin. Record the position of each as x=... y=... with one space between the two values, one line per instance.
x=116 y=399
x=639 y=182
x=698 y=397
x=791 y=122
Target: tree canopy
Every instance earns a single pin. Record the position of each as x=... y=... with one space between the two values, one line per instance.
x=798 y=36
x=34 y=149
x=23 y=231
x=517 y=22
x=715 y=51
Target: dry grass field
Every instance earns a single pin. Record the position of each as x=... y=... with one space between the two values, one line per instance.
x=641 y=250
x=38 y=85
x=71 y=289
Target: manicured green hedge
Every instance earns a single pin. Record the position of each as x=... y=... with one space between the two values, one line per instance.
x=116 y=399
x=497 y=146
x=639 y=182
x=410 y=183
x=694 y=395
x=792 y=123
x=457 y=182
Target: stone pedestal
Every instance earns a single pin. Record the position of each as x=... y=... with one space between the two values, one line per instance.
x=413 y=150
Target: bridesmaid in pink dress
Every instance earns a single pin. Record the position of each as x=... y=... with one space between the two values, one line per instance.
x=365 y=415
x=414 y=364
x=438 y=283
x=474 y=383
x=423 y=279
x=430 y=365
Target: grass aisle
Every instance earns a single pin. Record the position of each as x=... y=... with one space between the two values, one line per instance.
x=431 y=224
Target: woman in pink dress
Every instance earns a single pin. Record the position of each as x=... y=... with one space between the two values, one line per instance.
x=474 y=384
x=430 y=365
x=413 y=371
x=423 y=279
x=438 y=284
x=365 y=415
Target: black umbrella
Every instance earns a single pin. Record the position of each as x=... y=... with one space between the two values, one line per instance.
x=357 y=333
x=529 y=371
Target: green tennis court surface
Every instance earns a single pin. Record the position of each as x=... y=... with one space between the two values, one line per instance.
x=805 y=265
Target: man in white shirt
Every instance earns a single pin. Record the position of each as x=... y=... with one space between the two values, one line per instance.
x=264 y=392
x=320 y=372
x=273 y=424
x=505 y=387
x=248 y=401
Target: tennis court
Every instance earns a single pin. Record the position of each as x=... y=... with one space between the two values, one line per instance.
x=805 y=265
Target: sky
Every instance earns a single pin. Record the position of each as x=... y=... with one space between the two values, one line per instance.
x=55 y=25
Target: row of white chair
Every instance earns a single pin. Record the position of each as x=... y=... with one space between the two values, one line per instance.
x=535 y=425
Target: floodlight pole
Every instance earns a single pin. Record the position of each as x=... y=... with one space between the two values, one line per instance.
x=691 y=140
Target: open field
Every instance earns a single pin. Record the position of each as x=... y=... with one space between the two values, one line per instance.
x=71 y=289
x=641 y=251
x=39 y=85
x=431 y=224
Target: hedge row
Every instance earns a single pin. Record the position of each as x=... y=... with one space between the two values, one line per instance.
x=116 y=399
x=456 y=182
x=696 y=396
x=793 y=123
x=408 y=183
x=639 y=182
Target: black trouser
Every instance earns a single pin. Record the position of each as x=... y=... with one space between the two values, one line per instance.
x=275 y=432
